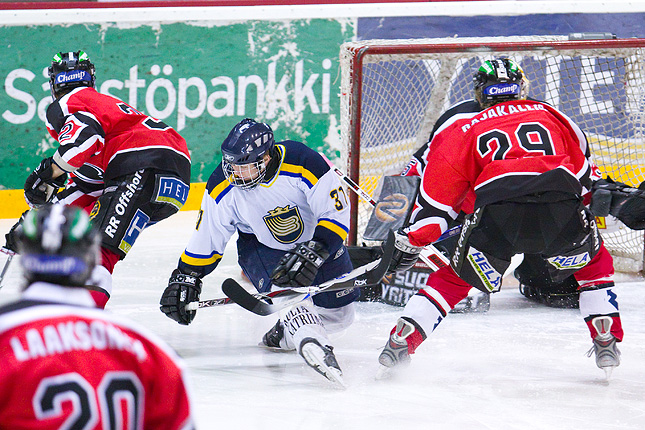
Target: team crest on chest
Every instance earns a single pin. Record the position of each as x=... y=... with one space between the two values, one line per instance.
x=285 y=224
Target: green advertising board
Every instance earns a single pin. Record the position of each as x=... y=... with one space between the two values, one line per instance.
x=201 y=78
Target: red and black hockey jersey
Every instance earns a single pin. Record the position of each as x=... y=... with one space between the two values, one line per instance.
x=110 y=134
x=66 y=364
x=509 y=150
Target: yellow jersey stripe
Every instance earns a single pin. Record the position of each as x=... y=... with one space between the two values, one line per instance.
x=334 y=228
x=200 y=260
x=297 y=170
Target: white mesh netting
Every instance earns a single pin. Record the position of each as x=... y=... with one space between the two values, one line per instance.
x=392 y=92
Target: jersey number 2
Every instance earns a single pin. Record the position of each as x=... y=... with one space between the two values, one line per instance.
x=531 y=136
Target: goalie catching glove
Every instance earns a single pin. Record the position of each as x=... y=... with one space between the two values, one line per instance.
x=620 y=200
x=405 y=254
x=299 y=266
x=182 y=289
x=41 y=186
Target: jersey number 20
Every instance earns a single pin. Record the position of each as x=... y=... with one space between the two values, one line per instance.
x=115 y=387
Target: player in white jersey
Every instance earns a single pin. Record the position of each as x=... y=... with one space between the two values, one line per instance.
x=291 y=215
x=67 y=364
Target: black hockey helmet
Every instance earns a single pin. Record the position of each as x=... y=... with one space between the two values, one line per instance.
x=58 y=244
x=498 y=81
x=245 y=148
x=70 y=70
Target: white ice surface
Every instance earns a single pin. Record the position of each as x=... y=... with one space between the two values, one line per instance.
x=518 y=366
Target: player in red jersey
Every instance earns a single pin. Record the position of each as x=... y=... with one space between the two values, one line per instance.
x=527 y=165
x=67 y=364
x=130 y=170
x=535 y=282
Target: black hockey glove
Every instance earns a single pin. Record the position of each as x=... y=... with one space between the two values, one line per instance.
x=620 y=200
x=40 y=186
x=11 y=238
x=299 y=266
x=182 y=289
x=405 y=254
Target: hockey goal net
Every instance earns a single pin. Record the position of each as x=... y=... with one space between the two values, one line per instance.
x=392 y=92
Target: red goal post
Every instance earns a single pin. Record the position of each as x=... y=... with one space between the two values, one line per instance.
x=392 y=92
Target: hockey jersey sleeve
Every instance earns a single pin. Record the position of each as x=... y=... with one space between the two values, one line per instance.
x=214 y=228
x=442 y=192
x=327 y=199
x=79 y=134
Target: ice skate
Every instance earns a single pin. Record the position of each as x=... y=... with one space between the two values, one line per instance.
x=273 y=337
x=604 y=346
x=395 y=352
x=322 y=360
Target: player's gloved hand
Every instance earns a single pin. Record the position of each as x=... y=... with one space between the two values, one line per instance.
x=620 y=200
x=181 y=290
x=40 y=186
x=405 y=254
x=11 y=238
x=299 y=266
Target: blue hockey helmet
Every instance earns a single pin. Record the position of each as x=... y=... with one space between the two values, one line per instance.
x=498 y=81
x=244 y=153
x=70 y=70
x=58 y=244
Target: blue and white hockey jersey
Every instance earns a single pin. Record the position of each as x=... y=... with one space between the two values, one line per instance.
x=304 y=200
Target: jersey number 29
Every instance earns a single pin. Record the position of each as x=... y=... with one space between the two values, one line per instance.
x=531 y=136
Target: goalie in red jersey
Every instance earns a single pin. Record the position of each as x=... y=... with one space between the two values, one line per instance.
x=527 y=166
x=130 y=170
x=67 y=364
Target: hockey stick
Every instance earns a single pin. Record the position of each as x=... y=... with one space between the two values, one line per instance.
x=193 y=306
x=369 y=274
x=430 y=255
x=361 y=276
x=10 y=255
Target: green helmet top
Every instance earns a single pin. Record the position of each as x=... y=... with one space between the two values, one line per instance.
x=498 y=81
x=58 y=244
x=70 y=70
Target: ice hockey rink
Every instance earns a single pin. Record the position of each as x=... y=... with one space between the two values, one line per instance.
x=518 y=366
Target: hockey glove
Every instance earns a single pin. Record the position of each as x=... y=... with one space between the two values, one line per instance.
x=182 y=289
x=299 y=266
x=405 y=254
x=40 y=186
x=620 y=200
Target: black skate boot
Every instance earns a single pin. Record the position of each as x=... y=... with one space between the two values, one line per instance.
x=272 y=338
x=322 y=360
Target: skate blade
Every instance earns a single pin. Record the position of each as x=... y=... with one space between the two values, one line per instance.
x=315 y=361
x=383 y=373
x=273 y=348
x=608 y=372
